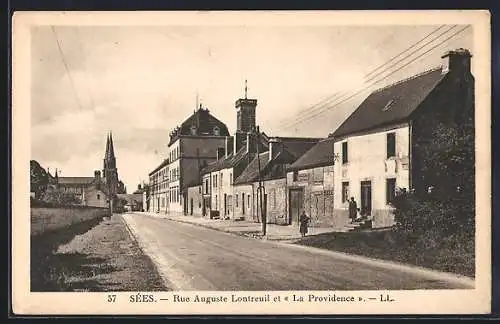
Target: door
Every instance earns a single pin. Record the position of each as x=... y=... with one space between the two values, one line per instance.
x=366 y=198
x=296 y=201
x=191 y=205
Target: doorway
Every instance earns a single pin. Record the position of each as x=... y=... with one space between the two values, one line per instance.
x=296 y=203
x=366 y=198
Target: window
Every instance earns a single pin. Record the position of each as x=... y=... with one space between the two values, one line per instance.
x=199 y=189
x=230 y=178
x=345 y=191
x=390 y=190
x=344 y=153
x=295 y=175
x=216 y=202
x=221 y=183
x=248 y=201
x=391 y=145
x=206 y=186
x=236 y=200
x=98 y=197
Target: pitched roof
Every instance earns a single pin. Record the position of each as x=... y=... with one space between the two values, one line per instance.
x=230 y=161
x=75 y=180
x=205 y=124
x=391 y=104
x=251 y=172
x=319 y=155
x=273 y=169
x=297 y=146
x=162 y=164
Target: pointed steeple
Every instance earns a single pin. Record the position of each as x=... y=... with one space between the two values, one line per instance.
x=111 y=149
x=107 y=147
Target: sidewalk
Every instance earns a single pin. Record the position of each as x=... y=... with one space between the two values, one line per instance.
x=244 y=228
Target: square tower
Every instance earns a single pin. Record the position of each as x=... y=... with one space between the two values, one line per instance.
x=245 y=110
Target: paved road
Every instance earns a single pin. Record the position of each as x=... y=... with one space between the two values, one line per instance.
x=197 y=258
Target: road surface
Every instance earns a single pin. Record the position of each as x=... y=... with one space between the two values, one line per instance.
x=191 y=257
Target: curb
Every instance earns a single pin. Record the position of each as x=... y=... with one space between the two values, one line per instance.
x=166 y=282
x=412 y=269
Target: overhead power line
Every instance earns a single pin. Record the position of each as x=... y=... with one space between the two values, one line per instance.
x=377 y=81
x=324 y=102
x=80 y=46
x=66 y=67
x=406 y=50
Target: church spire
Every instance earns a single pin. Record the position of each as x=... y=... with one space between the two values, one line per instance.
x=111 y=148
x=107 y=147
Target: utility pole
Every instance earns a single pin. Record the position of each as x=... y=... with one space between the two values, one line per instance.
x=261 y=189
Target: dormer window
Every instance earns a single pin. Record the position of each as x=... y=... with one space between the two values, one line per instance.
x=216 y=131
x=193 y=130
x=388 y=105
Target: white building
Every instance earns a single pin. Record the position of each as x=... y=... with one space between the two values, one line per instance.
x=383 y=142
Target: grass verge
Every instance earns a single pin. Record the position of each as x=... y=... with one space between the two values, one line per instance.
x=389 y=245
x=92 y=257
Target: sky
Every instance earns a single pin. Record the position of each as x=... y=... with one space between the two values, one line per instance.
x=141 y=82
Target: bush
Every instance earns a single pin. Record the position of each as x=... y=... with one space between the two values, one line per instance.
x=57 y=198
x=434 y=221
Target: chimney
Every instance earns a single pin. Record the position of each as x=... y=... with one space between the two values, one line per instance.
x=274 y=148
x=228 y=145
x=239 y=141
x=457 y=61
x=97 y=179
x=221 y=152
x=251 y=143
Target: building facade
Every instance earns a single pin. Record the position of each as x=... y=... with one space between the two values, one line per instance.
x=382 y=154
x=192 y=146
x=159 y=188
x=261 y=189
x=310 y=186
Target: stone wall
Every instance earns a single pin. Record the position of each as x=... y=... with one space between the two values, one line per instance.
x=52 y=219
x=195 y=201
x=244 y=203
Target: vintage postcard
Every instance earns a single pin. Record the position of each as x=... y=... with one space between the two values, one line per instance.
x=313 y=162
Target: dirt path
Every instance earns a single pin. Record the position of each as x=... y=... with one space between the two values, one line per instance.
x=106 y=258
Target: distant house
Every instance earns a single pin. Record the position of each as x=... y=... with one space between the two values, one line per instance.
x=310 y=185
x=131 y=202
x=383 y=142
x=90 y=191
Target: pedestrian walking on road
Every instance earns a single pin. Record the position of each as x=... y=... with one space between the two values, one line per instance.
x=304 y=222
x=353 y=209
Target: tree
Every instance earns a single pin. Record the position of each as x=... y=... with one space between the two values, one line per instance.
x=39 y=179
x=448 y=168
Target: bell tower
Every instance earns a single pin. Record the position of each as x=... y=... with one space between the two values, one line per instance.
x=245 y=112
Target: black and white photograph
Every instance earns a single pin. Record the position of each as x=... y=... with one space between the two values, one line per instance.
x=284 y=161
